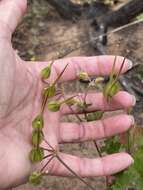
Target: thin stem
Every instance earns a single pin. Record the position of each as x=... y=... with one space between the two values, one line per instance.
x=47 y=156
x=74 y=173
x=46 y=149
x=95 y=143
x=49 y=144
x=121 y=68
x=44 y=104
x=60 y=75
x=97 y=148
x=76 y=115
x=47 y=163
x=66 y=100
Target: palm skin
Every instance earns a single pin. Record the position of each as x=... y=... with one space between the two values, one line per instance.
x=20 y=101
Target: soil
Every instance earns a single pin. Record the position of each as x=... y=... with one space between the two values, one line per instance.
x=43 y=36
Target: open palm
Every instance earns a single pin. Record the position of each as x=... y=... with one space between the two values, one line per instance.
x=20 y=99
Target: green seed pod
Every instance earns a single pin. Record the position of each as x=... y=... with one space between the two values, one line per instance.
x=111 y=89
x=45 y=73
x=114 y=89
x=94 y=116
x=35 y=178
x=38 y=122
x=54 y=106
x=37 y=154
x=37 y=137
x=83 y=76
x=50 y=91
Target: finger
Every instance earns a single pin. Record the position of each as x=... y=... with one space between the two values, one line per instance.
x=10 y=13
x=99 y=65
x=122 y=100
x=85 y=167
x=96 y=65
x=74 y=132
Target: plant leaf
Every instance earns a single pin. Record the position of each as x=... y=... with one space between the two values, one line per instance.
x=112 y=145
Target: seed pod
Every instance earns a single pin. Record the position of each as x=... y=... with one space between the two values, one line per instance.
x=83 y=76
x=50 y=91
x=38 y=122
x=37 y=137
x=45 y=73
x=35 y=178
x=54 y=106
x=111 y=89
x=37 y=154
x=94 y=116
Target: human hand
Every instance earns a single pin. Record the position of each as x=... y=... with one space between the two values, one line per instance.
x=20 y=98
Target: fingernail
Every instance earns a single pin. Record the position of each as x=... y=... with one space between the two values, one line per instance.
x=132 y=120
x=130 y=64
x=134 y=100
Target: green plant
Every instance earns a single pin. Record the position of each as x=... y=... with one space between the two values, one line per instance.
x=53 y=103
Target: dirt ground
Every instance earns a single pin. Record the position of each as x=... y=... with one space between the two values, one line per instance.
x=43 y=36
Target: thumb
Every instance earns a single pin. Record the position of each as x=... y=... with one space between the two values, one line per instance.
x=10 y=13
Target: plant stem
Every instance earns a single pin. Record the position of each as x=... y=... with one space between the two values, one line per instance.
x=97 y=148
x=74 y=173
x=47 y=156
x=60 y=75
x=47 y=163
x=49 y=145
